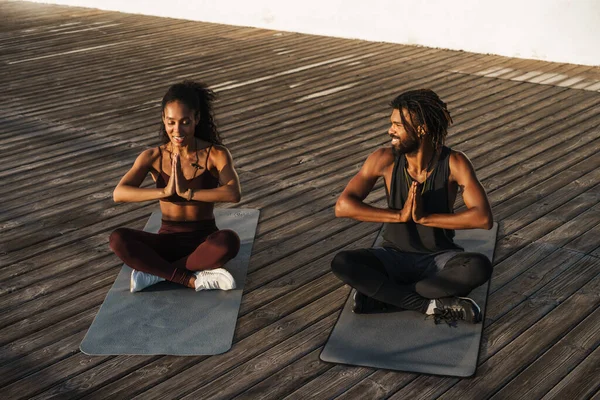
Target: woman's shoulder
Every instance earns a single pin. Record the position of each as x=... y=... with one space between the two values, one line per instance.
x=149 y=156
x=218 y=148
x=219 y=151
x=219 y=155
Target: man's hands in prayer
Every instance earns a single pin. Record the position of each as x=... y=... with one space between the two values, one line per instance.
x=406 y=214
x=417 y=203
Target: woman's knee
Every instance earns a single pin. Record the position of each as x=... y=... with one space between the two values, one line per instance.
x=118 y=238
x=228 y=241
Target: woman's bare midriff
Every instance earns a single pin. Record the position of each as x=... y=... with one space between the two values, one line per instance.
x=196 y=211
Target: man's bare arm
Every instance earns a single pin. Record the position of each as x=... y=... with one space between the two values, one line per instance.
x=478 y=213
x=351 y=202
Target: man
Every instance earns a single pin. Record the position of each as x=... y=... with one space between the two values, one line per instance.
x=418 y=267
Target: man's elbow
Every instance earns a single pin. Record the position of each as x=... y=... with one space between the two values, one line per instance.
x=235 y=196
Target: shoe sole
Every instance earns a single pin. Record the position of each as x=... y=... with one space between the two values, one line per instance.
x=356 y=306
x=132 y=283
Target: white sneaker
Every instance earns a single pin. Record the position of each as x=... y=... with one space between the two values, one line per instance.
x=214 y=279
x=141 y=280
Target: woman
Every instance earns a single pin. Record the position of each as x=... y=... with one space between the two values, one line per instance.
x=192 y=171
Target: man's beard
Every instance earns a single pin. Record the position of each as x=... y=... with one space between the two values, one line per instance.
x=409 y=145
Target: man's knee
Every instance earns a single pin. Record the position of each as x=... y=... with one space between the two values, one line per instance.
x=482 y=267
x=476 y=266
x=342 y=266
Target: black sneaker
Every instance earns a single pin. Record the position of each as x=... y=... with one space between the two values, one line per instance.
x=364 y=304
x=452 y=309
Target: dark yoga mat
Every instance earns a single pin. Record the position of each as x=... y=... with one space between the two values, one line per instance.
x=405 y=340
x=170 y=319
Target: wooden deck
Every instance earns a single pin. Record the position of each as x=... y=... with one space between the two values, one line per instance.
x=80 y=99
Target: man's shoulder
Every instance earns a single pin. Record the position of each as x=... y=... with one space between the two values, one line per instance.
x=457 y=157
x=382 y=156
x=459 y=164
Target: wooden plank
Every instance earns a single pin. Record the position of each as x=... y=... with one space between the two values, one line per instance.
x=552 y=201
x=493 y=373
x=210 y=60
x=504 y=344
x=535 y=172
x=529 y=137
x=153 y=84
x=581 y=383
x=27 y=344
x=586 y=242
x=40 y=359
x=77 y=277
x=69 y=236
x=33 y=384
x=540 y=264
x=287 y=379
x=28 y=324
x=379 y=385
x=540 y=227
x=331 y=383
x=307 y=167
x=89 y=244
x=548 y=370
x=270 y=335
x=244 y=350
x=269 y=362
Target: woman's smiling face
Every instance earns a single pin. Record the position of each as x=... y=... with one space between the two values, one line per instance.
x=180 y=123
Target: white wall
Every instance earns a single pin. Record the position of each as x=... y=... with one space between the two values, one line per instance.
x=552 y=30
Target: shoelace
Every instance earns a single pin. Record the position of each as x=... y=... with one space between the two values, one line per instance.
x=449 y=315
x=208 y=278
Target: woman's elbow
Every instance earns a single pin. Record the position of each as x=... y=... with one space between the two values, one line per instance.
x=488 y=222
x=117 y=198
x=341 y=208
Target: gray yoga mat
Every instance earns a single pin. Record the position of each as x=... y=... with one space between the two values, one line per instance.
x=405 y=340
x=170 y=319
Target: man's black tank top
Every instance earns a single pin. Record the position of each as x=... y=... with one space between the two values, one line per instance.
x=415 y=238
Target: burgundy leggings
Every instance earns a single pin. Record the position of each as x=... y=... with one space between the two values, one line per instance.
x=177 y=249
